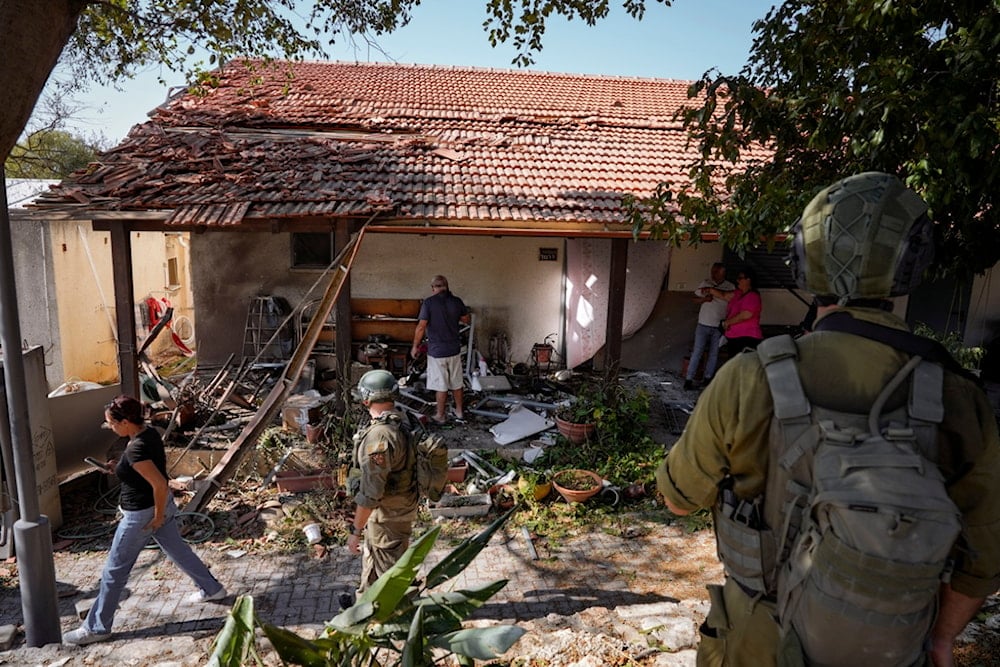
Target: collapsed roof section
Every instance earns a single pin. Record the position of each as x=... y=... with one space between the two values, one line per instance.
x=266 y=144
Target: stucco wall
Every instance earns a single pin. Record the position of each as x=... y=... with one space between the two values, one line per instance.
x=501 y=279
x=36 y=291
x=66 y=294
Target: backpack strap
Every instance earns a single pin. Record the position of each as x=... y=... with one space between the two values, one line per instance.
x=779 y=356
x=927 y=392
x=915 y=345
x=926 y=407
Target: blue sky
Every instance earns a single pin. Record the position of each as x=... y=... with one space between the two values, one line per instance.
x=677 y=42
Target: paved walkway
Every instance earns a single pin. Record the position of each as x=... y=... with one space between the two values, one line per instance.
x=300 y=591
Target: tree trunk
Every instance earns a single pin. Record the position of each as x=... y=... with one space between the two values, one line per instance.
x=34 y=36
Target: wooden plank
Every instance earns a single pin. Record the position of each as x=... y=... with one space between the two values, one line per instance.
x=386 y=307
x=247 y=439
x=399 y=331
x=121 y=271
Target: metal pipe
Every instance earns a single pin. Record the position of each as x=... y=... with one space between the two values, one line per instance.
x=411 y=395
x=486 y=413
x=522 y=401
x=32 y=532
x=527 y=539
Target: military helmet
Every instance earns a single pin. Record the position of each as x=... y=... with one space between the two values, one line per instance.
x=378 y=386
x=867 y=236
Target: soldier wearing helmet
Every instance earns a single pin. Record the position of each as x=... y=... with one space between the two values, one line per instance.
x=382 y=481
x=859 y=242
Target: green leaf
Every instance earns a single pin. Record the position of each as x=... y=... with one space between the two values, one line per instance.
x=460 y=557
x=295 y=649
x=480 y=643
x=443 y=612
x=385 y=594
x=413 y=652
x=236 y=639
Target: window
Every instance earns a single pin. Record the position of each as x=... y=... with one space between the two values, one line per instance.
x=173 y=273
x=312 y=251
x=769 y=267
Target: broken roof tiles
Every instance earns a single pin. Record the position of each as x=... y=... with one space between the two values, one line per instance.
x=410 y=143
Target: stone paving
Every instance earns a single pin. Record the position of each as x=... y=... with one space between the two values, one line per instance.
x=299 y=591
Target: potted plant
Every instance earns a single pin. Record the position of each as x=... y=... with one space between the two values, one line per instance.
x=577 y=420
x=534 y=484
x=576 y=485
x=503 y=496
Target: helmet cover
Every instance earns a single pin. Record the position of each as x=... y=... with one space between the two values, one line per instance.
x=378 y=386
x=866 y=236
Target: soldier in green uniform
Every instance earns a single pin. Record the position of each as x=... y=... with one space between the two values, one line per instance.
x=383 y=481
x=854 y=269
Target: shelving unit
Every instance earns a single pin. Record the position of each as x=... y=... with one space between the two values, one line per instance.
x=394 y=321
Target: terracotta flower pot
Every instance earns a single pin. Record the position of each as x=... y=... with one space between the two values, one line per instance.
x=290 y=481
x=575 y=433
x=576 y=486
x=457 y=472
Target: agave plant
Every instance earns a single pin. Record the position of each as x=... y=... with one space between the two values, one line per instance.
x=394 y=622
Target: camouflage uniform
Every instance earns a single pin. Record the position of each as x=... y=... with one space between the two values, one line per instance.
x=388 y=486
x=727 y=435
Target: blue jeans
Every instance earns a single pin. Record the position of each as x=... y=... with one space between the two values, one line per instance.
x=704 y=337
x=129 y=541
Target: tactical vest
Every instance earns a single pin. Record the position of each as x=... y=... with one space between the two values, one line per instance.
x=402 y=477
x=852 y=536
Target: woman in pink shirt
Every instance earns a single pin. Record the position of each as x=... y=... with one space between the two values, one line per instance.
x=742 y=323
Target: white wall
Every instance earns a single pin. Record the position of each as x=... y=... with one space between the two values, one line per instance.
x=691 y=265
x=501 y=279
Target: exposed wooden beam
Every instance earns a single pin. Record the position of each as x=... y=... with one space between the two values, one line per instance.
x=121 y=267
x=616 y=306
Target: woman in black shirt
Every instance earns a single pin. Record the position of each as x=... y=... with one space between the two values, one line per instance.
x=148 y=513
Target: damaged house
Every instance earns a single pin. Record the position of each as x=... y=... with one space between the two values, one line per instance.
x=510 y=183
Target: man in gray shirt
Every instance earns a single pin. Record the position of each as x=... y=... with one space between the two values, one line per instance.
x=707 y=334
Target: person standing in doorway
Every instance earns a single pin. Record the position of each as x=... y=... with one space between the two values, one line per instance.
x=710 y=316
x=440 y=319
x=148 y=513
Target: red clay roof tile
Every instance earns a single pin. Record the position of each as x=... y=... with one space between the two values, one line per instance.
x=411 y=143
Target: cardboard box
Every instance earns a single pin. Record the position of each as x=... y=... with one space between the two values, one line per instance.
x=299 y=411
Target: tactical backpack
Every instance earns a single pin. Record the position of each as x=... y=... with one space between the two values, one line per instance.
x=428 y=455
x=852 y=537
x=432 y=465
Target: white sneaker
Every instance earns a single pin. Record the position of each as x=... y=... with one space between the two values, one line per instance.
x=82 y=636
x=202 y=596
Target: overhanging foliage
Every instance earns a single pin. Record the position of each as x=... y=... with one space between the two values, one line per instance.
x=837 y=88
